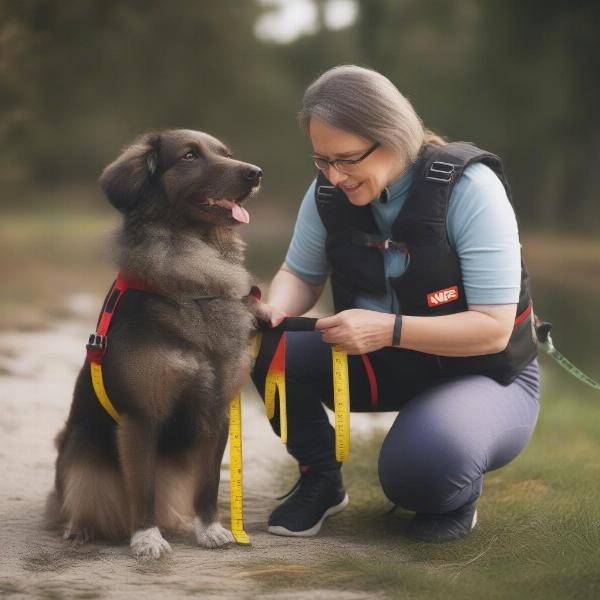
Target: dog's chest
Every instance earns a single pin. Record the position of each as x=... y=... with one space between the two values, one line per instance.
x=223 y=325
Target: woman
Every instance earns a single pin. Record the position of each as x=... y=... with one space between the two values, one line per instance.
x=431 y=301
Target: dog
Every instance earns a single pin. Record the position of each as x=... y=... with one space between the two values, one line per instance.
x=174 y=357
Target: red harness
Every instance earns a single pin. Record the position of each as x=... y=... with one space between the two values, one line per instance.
x=96 y=345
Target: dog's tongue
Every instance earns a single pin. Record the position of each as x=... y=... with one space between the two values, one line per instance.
x=239 y=213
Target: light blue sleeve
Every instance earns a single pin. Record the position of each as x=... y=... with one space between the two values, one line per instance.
x=306 y=253
x=482 y=228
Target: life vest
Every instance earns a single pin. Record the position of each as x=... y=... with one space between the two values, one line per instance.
x=432 y=283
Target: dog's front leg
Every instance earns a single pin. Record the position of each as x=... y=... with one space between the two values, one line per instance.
x=137 y=450
x=209 y=532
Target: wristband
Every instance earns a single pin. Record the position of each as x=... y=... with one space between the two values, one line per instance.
x=397 y=331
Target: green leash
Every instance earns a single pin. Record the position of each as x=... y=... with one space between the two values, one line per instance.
x=542 y=330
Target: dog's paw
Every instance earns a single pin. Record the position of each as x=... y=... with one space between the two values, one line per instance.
x=212 y=535
x=149 y=542
x=78 y=535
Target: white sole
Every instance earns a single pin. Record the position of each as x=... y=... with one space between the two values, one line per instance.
x=474 y=519
x=279 y=530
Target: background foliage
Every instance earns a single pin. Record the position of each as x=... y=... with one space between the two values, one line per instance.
x=79 y=79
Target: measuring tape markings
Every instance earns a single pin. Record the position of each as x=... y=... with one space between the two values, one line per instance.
x=341 y=402
x=235 y=470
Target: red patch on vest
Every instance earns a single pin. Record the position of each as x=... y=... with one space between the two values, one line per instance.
x=443 y=296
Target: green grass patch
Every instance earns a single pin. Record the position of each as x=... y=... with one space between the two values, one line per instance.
x=538 y=534
x=45 y=258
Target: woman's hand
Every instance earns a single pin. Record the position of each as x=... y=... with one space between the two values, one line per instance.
x=358 y=331
x=270 y=314
x=262 y=311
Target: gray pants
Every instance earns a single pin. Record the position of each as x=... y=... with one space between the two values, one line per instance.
x=446 y=436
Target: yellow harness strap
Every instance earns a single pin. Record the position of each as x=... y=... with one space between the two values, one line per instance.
x=275 y=382
x=98 y=383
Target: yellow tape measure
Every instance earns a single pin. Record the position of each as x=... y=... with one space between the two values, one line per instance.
x=341 y=403
x=235 y=469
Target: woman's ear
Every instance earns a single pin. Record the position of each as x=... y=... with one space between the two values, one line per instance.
x=126 y=180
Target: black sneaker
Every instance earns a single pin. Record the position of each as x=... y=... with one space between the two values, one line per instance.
x=443 y=527
x=316 y=495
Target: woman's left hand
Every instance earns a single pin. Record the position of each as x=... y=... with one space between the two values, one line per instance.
x=358 y=331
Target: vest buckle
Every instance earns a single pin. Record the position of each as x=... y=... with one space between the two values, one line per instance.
x=440 y=171
x=325 y=192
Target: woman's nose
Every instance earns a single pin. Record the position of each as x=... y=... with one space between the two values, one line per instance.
x=335 y=176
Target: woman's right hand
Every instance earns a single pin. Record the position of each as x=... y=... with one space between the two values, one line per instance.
x=269 y=314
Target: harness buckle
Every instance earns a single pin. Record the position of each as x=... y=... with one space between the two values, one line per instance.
x=95 y=347
x=325 y=192
x=440 y=171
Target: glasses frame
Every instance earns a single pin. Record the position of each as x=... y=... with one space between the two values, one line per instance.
x=344 y=162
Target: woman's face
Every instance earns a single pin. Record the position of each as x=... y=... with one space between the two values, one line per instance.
x=369 y=177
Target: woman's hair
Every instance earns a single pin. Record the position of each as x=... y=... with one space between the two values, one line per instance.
x=368 y=104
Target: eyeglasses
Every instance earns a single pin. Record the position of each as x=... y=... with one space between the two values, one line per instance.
x=343 y=165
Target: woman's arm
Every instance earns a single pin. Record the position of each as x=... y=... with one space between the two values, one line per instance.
x=291 y=294
x=483 y=329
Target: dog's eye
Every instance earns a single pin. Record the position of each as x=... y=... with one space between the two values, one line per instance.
x=189 y=155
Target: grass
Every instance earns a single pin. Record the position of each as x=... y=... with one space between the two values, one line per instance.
x=47 y=258
x=538 y=534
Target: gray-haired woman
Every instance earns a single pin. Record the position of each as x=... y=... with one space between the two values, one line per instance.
x=431 y=302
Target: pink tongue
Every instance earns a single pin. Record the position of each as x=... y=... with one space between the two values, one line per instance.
x=239 y=213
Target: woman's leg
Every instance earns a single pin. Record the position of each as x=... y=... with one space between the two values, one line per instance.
x=319 y=492
x=446 y=437
x=308 y=375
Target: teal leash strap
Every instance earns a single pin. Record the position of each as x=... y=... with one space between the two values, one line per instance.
x=542 y=330
x=566 y=364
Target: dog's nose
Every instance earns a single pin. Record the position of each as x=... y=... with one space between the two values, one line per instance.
x=253 y=175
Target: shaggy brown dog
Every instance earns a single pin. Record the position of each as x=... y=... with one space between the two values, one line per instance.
x=174 y=357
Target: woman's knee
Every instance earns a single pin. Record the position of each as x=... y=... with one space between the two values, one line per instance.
x=435 y=475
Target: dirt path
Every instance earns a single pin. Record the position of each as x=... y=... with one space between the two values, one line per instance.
x=37 y=371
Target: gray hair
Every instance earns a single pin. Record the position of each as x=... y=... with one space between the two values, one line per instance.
x=366 y=103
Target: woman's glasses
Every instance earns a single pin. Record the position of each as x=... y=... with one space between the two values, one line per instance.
x=343 y=165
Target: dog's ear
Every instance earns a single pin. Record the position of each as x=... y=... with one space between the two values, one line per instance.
x=126 y=180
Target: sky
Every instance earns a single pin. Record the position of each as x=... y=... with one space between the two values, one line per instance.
x=286 y=20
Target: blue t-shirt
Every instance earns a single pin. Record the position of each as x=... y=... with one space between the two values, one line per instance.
x=481 y=227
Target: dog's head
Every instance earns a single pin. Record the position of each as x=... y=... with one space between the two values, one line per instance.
x=183 y=173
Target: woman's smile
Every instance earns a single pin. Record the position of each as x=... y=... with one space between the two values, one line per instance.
x=348 y=188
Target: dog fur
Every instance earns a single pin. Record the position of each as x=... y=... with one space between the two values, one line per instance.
x=174 y=358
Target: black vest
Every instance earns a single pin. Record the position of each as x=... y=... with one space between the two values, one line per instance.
x=432 y=283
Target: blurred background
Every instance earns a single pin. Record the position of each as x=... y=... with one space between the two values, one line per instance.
x=80 y=79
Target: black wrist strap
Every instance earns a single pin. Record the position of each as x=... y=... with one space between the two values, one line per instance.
x=397 y=331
